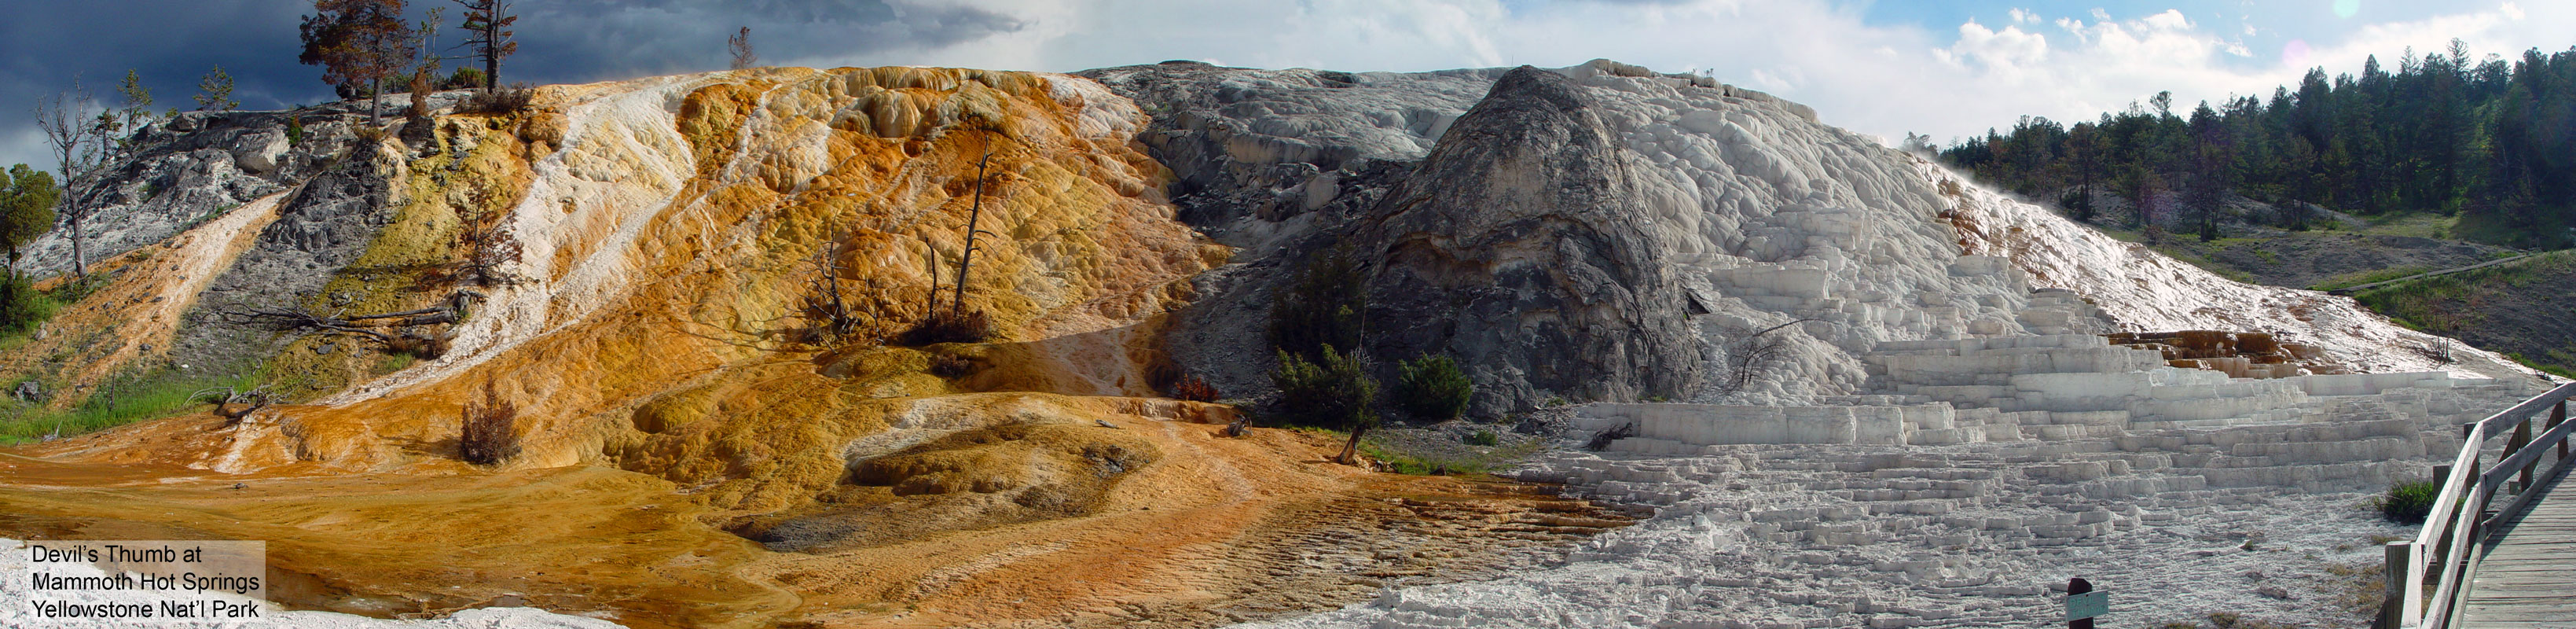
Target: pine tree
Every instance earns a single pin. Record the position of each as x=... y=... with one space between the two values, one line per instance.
x=359 y=44
x=215 y=91
x=27 y=198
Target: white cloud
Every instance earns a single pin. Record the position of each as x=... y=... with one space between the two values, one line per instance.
x=2171 y=20
x=25 y=146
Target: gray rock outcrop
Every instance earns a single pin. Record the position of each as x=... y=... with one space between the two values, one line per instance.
x=1519 y=246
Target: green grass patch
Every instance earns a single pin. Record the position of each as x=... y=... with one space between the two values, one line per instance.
x=2414 y=224
x=2535 y=230
x=1480 y=461
x=123 y=400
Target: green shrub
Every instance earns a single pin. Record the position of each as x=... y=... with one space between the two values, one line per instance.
x=1432 y=387
x=2409 y=502
x=1333 y=393
x=1484 y=438
x=21 y=306
x=1322 y=308
x=462 y=78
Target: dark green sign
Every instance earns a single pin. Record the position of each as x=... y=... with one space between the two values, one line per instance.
x=2088 y=604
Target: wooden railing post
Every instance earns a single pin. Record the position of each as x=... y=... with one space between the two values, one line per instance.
x=2521 y=439
x=2398 y=607
x=2441 y=543
x=2557 y=417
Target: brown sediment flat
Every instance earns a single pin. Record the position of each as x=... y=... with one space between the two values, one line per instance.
x=391 y=545
x=1218 y=530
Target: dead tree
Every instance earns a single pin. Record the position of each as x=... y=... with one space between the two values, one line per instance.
x=1750 y=355
x=234 y=404
x=827 y=310
x=957 y=325
x=489 y=248
x=740 y=44
x=390 y=331
x=974 y=214
x=489 y=431
x=77 y=130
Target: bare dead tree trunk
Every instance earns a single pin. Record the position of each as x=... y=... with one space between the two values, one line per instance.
x=364 y=326
x=1750 y=355
x=77 y=147
x=974 y=214
x=1351 y=448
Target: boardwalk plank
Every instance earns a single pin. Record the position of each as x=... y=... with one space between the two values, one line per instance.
x=2527 y=576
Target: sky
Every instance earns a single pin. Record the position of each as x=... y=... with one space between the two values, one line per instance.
x=1884 y=67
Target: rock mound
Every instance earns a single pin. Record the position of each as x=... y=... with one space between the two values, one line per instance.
x=1518 y=246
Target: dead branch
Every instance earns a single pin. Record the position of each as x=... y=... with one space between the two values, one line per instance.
x=362 y=326
x=488 y=245
x=826 y=310
x=234 y=404
x=1751 y=355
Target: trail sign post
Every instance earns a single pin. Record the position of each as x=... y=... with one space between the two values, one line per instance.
x=2083 y=603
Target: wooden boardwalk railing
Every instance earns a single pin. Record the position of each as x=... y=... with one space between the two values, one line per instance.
x=2461 y=516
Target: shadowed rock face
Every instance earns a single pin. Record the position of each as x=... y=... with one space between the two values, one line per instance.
x=1520 y=246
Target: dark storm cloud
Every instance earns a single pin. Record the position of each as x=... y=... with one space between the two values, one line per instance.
x=44 y=44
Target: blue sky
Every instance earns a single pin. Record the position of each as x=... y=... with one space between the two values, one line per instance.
x=1882 y=67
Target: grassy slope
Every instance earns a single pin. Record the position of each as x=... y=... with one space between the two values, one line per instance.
x=2526 y=310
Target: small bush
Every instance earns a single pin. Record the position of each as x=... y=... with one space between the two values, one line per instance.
x=491 y=431
x=1194 y=389
x=462 y=78
x=948 y=366
x=1484 y=438
x=504 y=101
x=294 y=130
x=1432 y=388
x=2409 y=502
x=947 y=326
x=1334 y=392
x=22 y=308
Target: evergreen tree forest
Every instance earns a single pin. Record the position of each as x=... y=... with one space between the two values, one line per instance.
x=2492 y=141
